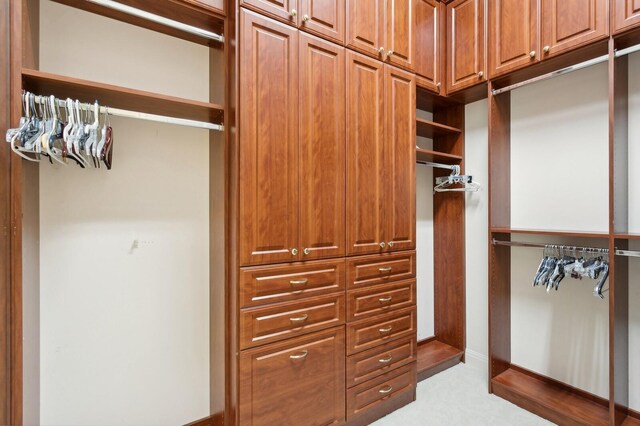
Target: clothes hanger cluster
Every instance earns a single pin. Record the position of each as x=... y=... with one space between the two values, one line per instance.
x=578 y=263
x=452 y=182
x=71 y=133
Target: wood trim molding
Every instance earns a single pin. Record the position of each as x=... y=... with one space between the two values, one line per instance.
x=216 y=419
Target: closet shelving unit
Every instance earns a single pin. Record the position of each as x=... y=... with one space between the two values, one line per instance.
x=549 y=398
x=176 y=18
x=446 y=348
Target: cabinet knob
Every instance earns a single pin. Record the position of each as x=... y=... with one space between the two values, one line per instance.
x=305 y=18
x=381 y=50
x=390 y=244
x=481 y=74
x=300 y=355
x=438 y=84
x=532 y=54
x=293 y=13
x=307 y=250
x=383 y=244
x=546 y=49
x=294 y=252
x=389 y=53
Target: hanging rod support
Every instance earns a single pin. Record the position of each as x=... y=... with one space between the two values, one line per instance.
x=630 y=253
x=111 y=4
x=438 y=165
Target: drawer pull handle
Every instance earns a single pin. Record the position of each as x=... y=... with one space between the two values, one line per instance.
x=300 y=355
x=299 y=282
x=301 y=318
x=385 y=299
x=386 y=360
x=385 y=269
x=386 y=329
x=385 y=390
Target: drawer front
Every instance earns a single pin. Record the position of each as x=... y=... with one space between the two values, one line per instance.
x=297 y=382
x=261 y=286
x=264 y=325
x=372 y=332
x=378 y=300
x=380 y=269
x=367 y=396
x=379 y=360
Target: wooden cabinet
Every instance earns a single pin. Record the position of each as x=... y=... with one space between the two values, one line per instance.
x=380 y=299
x=626 y=14
x=513 y=36
x=284 y=10
x=426 y=17
x=379 y=360
x=292 y=151
x=366 y=26
x=372 y=332
x=465 y=44
x=298 y=382
x=399 y=33
x=365 y=271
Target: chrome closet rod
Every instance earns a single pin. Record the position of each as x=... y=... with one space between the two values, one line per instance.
x=43 y=100
x=630 y=253
x=437 y=165
x=158 y=19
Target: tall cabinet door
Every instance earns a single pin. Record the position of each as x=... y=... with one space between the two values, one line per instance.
x=570 y=24
x=465 y=44
x=399 y=23
x=400 y=159
x=268 y=140
x=285 y=10
x=322 y=148
x=365 y=154
x=626 y=14
x=323 y=17
x=366 y=26
x=513 y=35
x=426 y=42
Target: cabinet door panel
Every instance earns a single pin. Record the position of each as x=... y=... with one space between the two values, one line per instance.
x=298 y=382
x=465 y=44
x=399 y=23
x=512 y=35
x=365 y=154
x=323 y=17
x=366 y=26
x=567 y=24
x=268 y=140
x=279 y=9
x=400 y=159
x=626 y=14
x=322 y=148
x=427 y=42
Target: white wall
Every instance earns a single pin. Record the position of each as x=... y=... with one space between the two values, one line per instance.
x=125 y=327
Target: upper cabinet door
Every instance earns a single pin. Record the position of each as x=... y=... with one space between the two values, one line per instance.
x=568 y=24
x=626 y=14
x=268 y=140
x=465 y=44
x=400 y=159
x=399 y=24
x=513 y=37
x=322 y=148
x=366 y=27
x=365 y=154
x=426 y=42
x=284 y=10
x=323 y=17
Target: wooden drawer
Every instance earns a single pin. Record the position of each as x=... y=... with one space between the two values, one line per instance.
x=378 y=300
x=379 y=360
x=264 y=325
x=298 y=382
x=368 y=396
x=372 y=332
x=261 y=286
x=380 y=269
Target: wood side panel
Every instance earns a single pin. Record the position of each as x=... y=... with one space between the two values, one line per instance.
x=322 y=148
x=400 y=33
x=399 y=169
x=427 y=43
x=365 y=154
x=325 y=18
x=626 y=15
x=365 y=24
x=269 y=157
x=465 y=44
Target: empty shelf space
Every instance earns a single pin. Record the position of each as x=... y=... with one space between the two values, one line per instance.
x=430 y=129
x=555 y=402
x=42 y=83
x=435 y=356
x=436 y=157
x=579 y=234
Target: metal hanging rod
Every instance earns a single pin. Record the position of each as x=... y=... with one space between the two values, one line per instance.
x=439 y=166
x=627 y=51
x=630 y=253
x=42 y=100
x=158 y=19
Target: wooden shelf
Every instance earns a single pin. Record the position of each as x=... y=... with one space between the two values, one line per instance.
x=42 y=83
x=553 y=401
x=627 y=236
x=578 y=234
x=429 y=101
x=631 y=421
x=436 y=157
x=430 y=129
x=435 y=356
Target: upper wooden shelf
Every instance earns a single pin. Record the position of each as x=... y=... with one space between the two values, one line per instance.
x=624 y=236
x=631 y=421
x=430 y=129
x=579 y=234
x=436 y=157
x=46 y=84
